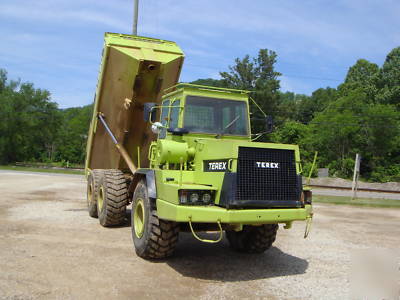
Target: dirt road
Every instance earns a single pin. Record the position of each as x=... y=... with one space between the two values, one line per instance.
x=51 y=249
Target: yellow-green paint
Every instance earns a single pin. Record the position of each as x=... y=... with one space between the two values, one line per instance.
x=184 y=90
x=89 y=192
x=139 y=217
x=221 y=233
x=100 y=198
x=135 y=50
x=206 y=149
x=188 y=86
x=127 y=40
x=211 y=214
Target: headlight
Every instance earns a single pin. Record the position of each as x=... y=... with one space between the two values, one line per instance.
x=183 y=197
x=196 y=197
x=206 y=197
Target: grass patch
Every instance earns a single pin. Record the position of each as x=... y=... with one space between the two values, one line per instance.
x=42 y=170
x=371 y=202
x=59 y=164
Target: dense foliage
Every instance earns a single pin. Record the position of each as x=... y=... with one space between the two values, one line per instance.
x=361 y=115
x=32 y=128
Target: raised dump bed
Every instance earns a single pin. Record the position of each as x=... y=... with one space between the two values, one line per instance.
x=134 y=70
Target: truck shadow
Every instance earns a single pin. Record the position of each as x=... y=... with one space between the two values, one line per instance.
x=218 y=262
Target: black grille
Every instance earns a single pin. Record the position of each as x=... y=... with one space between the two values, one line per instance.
x=267 y=175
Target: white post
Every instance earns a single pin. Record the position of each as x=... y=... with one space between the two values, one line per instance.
x=354 y=185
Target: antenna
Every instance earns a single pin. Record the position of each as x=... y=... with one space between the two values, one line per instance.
x=135 y=16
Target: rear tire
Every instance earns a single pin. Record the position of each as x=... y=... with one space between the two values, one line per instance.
x=253 y=239
x=152 y=237
x=112 y=198
x=92 y=191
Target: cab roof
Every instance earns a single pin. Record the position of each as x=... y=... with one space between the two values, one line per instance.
x=194 y=88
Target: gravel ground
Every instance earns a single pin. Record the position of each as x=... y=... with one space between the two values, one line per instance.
x=51 y=249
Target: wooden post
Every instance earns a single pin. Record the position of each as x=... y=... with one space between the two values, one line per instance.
x=356 y=174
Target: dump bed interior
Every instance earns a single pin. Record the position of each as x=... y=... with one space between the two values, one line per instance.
x=134 y=70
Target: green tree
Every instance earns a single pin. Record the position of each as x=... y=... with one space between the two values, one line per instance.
x=381 y=137
x=288 y=106
x=258 y=76
x=210 y=82
x=29 y=122
x=34 y=129
x=389 y=79
x=3 y=80
x=363 y=75
x=291 y=132
x=353 y=125
x=73 y=134
x=319 y=100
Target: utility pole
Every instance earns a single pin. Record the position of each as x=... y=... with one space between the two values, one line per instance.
x=356 y=174
x=135 y=16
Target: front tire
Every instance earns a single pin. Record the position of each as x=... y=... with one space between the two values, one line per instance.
x=112 y=198
x=152 y=237
x=253 y=239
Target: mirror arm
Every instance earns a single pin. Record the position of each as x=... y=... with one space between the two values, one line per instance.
x=258 y=106
x=269 y=124
x=150 y=115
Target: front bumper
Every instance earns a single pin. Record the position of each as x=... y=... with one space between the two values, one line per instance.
x=213 y=214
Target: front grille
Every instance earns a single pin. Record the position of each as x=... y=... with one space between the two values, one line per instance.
x=267 y=175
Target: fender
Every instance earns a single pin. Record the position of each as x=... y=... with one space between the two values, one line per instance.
x=150 y=181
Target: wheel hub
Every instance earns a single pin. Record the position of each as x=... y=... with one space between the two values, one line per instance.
x=100 y=198
x=89 y=193
x=139 y=218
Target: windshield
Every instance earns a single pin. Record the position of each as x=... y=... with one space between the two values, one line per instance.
x=219 y=116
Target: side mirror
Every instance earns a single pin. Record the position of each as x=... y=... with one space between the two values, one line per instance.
x=269 y=124
x=149 y=112
x=156 y=127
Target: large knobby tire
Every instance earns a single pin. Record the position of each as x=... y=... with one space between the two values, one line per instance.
x=253 y=239
x=92 y=191
x=112 y=198
x=153 y=238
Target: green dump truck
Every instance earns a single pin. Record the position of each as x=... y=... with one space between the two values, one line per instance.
x=183 y=156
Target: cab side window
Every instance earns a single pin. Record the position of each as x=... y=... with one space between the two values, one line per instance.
x=164 y=118
x=174 y=115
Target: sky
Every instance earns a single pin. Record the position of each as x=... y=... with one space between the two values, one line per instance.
x=57 y=44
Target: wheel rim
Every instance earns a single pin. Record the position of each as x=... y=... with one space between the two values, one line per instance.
x=100 y=198
x=138 y=218
x=89 y=194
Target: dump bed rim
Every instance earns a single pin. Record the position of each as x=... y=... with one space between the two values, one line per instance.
x=138 y=38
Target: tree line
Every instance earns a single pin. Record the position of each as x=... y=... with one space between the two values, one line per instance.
x=34 y=129
x=361 y=115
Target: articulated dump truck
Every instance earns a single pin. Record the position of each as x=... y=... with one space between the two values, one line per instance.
x=183 y=156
